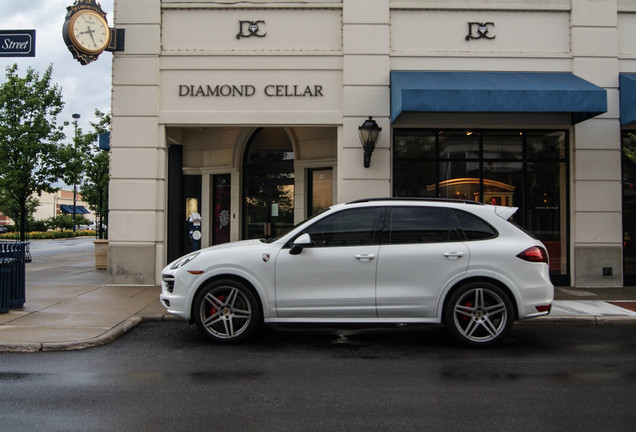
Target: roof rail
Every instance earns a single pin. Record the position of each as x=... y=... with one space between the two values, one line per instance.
x=431 y=199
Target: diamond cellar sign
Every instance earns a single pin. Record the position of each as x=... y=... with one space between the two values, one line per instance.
x=17 y=43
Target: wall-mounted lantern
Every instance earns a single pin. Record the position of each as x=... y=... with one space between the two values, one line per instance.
x=369 y=135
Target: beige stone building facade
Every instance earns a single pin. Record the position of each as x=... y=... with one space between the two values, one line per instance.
x=248 y=113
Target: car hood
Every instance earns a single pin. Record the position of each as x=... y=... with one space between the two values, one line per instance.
x=221 y=249
x=232 y=245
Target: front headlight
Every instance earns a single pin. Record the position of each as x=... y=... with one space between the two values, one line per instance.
x=184 y=260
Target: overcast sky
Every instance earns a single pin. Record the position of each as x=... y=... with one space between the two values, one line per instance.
x=84 y=88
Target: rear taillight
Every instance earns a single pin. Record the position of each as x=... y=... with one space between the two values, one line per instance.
x=534 y=254
x=544 y=308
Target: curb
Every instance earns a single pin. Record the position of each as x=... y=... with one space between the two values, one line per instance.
x=103 y=339
x=580 y=320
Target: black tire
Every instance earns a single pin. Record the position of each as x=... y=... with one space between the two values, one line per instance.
x=479 y=314
x=226 y=311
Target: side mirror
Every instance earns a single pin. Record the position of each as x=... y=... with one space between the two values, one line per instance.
x=300 y=243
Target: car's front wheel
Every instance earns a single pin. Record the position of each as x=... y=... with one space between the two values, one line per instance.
x=479 y=314
x=226 y=311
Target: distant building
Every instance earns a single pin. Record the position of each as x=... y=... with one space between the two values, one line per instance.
x=5 y=220
x=54 y=204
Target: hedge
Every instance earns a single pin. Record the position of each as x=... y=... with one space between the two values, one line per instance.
x=48 y=235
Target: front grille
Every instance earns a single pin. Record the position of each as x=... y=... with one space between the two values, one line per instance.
x=168 y=281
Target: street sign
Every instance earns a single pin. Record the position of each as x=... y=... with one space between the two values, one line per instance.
x=17 y=43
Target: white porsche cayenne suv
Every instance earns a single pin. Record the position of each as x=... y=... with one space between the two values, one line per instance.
x=370 y=262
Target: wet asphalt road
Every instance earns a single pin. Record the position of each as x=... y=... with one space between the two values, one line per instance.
x=164 y=377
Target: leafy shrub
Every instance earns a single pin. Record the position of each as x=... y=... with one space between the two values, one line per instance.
x=48 y=235
x=39 y=225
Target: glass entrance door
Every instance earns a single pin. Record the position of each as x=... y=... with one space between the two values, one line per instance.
x=268 y=184
x=269 y=208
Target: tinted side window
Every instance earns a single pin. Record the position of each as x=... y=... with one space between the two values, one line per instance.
x=474 y=227
x=419 y=225
x=348 y=228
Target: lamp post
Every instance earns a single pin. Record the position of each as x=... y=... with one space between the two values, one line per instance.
x=369 y=135
x=76 y=117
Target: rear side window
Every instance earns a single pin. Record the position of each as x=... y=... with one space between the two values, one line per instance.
x=419 y=225
x=474 y=227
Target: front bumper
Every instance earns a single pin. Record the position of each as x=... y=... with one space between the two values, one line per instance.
x=173 y=299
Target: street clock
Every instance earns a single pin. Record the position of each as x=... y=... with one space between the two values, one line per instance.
x=86 y=32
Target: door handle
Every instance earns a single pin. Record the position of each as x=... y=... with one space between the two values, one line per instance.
x=453 y=255
x=365 y=257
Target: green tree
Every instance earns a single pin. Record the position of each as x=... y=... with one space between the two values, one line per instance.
x=38 y=225
x=11 y=208
x=94 y=190
x=63 y=221
x=30 y=160
x=75 y=155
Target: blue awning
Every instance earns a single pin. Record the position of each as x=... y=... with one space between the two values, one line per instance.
x=498 y=92
x=69 y=209
x=627 y=84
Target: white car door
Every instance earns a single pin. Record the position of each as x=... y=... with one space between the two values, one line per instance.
x=334 y=276
x=420 y=257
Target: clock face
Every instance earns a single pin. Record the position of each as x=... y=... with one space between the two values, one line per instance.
x=89 y=32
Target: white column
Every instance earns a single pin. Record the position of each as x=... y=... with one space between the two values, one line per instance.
x=366 y=70
x=137 y=169
x=596 y=167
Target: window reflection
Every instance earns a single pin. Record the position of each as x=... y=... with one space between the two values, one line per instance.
x=629 y=207
x=320 y=190
x=518 y=168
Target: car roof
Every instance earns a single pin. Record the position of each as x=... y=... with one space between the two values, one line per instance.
x=416 y=199
x=484 y=210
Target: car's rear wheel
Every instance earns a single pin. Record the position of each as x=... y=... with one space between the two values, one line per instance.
x=479 y=314
x=226 y=311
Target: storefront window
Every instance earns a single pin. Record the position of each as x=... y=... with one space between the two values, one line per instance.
x=503 y=146
x=458 y=144
x=629 y=208
x=458 y=180
x=414 y=156
x=525 y=169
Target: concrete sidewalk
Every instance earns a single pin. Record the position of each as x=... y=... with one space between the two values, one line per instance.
x=69 y=306
x=58 y=317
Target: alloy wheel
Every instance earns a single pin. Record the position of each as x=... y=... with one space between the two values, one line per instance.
x=225 y=312
x=481 y=314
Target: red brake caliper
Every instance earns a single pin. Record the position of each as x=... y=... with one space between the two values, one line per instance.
x=468 y=304
x=212 y=308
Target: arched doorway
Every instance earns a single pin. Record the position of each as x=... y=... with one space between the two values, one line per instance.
x=268 y=184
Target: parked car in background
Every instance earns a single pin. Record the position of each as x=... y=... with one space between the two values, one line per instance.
x=95 y=226
x=3 y=229
x=375 y=261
